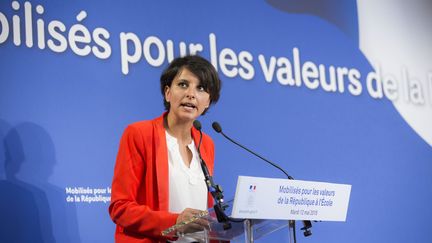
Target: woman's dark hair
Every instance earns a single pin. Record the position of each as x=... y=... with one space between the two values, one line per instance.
x=200 y=67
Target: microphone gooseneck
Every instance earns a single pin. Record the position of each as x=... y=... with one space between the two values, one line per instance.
x=306 y=223
x=214 y=189
x=208 y=177
x=217 y=127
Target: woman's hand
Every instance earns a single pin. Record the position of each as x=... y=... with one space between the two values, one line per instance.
x=197 y=224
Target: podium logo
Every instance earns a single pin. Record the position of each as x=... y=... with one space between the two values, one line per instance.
x=251 y=196
x=252 y=188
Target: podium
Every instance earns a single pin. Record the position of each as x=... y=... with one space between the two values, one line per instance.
x=265 y=205
x=248 y=229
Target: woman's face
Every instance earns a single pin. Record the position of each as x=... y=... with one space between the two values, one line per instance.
x=186 y=96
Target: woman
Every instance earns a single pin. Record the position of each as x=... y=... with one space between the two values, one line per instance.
x=158 y=181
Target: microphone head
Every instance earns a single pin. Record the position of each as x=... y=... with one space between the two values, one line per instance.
x=197 y=125
x=217 y=127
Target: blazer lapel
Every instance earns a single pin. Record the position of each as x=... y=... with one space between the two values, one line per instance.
x=161 y=163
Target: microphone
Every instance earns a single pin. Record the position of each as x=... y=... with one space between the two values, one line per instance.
x=197 y=125
x=215 y=190
x=208 y=177
x=217 y=127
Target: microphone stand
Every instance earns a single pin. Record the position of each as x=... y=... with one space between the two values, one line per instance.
x=291 y=223
x=214 y=189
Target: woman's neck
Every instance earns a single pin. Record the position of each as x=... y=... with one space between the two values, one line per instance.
x=180 y=130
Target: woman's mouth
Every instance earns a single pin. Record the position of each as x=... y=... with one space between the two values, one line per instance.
x=188 y=105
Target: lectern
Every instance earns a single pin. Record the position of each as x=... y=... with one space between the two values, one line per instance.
x=265 y=205
x=248 y=229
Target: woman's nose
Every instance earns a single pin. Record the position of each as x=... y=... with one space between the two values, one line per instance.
x=190 y=93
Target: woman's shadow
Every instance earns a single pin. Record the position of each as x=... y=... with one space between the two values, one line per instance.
x=32 y=209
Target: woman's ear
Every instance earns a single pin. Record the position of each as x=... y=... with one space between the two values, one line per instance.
x=167 y=93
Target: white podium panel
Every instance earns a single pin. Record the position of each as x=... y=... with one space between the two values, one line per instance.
x=269 y=198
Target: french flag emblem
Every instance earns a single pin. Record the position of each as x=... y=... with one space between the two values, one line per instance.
x=252 y=188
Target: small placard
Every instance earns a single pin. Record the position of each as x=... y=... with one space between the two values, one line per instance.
x=269 y=198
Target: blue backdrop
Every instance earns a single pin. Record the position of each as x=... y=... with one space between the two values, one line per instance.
x=67 y=95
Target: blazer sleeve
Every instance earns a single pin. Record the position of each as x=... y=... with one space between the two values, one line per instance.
x=129 y=172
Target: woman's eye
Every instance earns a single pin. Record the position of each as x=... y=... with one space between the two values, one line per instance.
x=182 y=84
x=201 y=88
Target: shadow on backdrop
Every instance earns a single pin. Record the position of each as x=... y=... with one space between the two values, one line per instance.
x=32 y=209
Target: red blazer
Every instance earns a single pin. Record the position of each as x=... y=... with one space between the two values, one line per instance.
x=139 y=197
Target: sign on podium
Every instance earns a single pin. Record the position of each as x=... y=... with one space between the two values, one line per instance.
x=269 y=198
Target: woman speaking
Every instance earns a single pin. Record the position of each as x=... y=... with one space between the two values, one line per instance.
x=158 y=180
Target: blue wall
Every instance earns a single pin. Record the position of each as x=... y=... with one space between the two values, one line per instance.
x=64 y=108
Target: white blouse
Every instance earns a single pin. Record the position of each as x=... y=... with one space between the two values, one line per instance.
x=187 y=188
